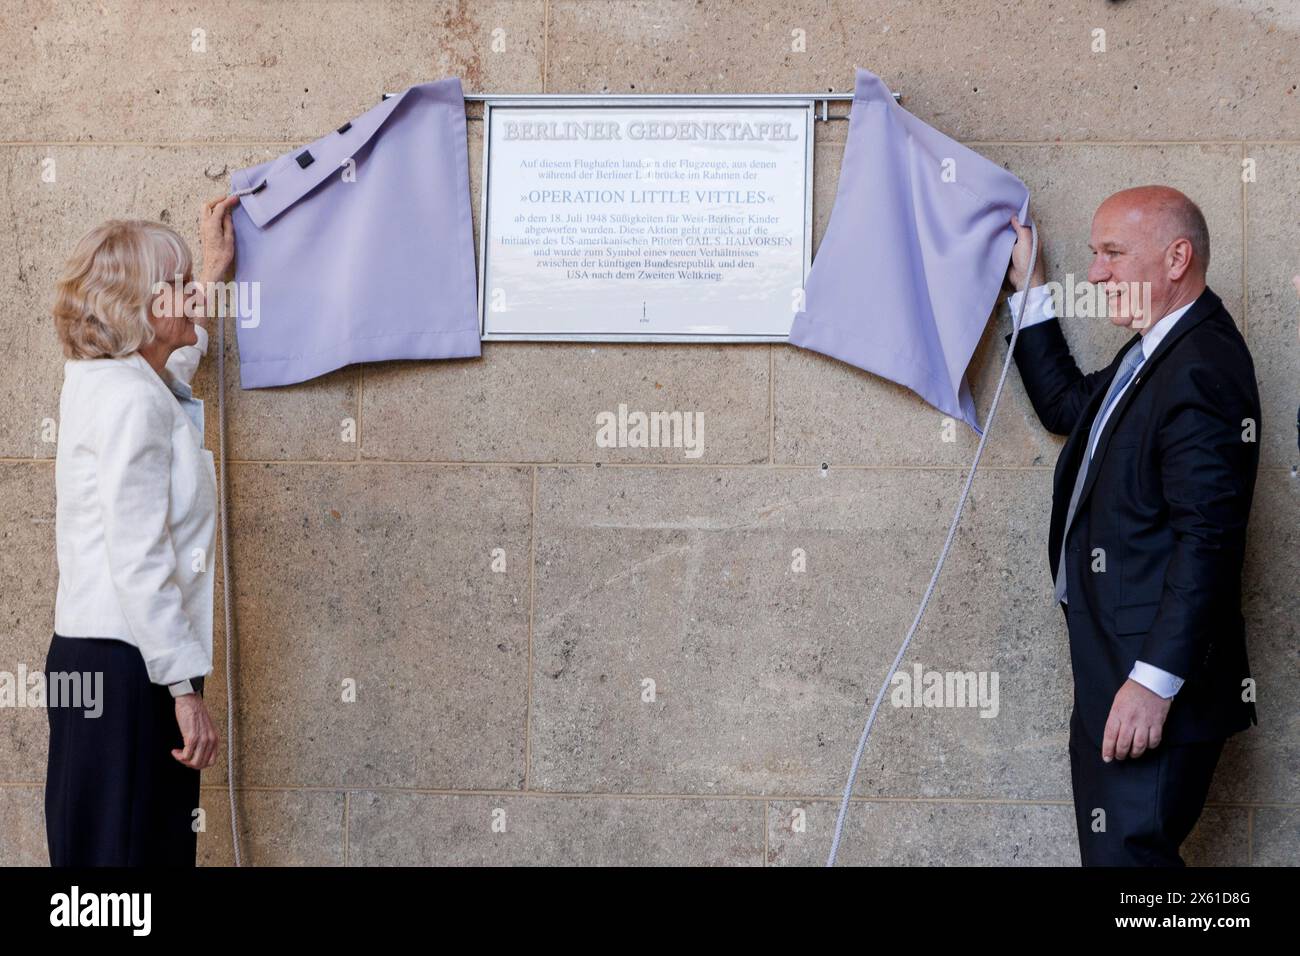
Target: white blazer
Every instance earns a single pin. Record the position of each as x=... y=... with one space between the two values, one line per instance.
x=135 y=514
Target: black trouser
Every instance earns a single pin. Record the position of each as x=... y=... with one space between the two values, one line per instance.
x=1138 y=811
x=114 y=794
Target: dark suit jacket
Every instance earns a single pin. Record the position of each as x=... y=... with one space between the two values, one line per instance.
x=1166 y=500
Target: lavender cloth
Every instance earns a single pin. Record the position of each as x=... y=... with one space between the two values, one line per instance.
x=381 y=267
x=910 y=267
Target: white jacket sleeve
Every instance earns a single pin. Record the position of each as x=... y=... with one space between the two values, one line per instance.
x=184 y=362
x=133 y=459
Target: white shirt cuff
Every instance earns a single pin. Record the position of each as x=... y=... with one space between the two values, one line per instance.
x=1155 y=680
x=202 y=334
x=1040 y=307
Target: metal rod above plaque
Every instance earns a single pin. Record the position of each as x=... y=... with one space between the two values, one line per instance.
x=675 y=218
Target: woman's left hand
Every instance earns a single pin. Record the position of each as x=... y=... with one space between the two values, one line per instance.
x=198 y=733
x=217 y=235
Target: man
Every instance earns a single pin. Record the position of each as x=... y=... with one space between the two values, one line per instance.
x=1149 y=506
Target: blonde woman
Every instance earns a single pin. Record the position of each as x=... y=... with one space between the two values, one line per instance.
x=135 y=517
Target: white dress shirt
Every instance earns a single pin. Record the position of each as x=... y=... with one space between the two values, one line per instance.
x=135 y=511
x=1041 y=308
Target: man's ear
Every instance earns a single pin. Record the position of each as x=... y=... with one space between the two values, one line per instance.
x=1178 y=258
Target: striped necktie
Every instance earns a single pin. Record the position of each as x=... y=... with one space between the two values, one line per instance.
x=1132 y=359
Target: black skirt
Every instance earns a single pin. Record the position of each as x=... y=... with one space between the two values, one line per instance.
x=114 y=794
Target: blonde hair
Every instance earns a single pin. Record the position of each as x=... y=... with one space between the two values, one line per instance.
x=101 y=308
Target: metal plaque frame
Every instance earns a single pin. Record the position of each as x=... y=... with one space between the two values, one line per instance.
x=806 y=103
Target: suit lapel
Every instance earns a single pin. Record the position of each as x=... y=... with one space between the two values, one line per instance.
x=139 y=361
x=1205 y=305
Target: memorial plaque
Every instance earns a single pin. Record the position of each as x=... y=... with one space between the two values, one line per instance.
x=676 y=219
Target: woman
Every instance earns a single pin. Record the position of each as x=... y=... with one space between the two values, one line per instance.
x=135 y=518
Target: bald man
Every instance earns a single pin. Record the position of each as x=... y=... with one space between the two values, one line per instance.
x=1149 y=506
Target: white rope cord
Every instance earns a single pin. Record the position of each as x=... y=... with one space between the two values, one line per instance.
x=223 y=509
x=943 y=554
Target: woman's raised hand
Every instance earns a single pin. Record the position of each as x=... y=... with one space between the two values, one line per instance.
x=217 y=235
